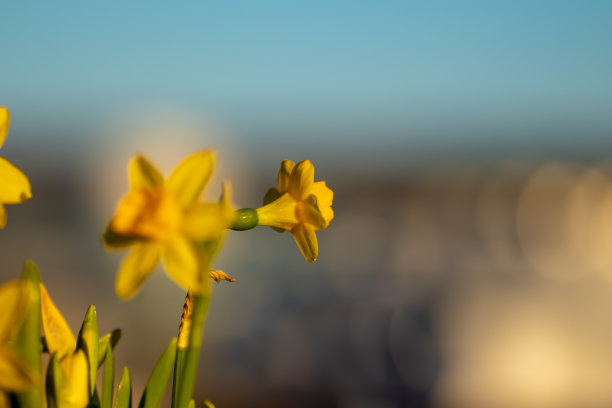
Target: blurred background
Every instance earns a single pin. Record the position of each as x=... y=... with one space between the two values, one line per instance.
x=469 y=147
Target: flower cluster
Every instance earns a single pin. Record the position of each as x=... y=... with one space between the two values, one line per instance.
x=159 y=220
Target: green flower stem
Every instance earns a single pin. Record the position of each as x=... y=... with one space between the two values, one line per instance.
x=190 y=365
x=246 y=218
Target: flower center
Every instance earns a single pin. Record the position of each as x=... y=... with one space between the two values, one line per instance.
x=148 y=213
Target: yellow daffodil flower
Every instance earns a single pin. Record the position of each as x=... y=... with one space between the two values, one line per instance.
x=73 y=377
x=298 y=205
x=164 y=219
x=15 y=375
x=14 y=185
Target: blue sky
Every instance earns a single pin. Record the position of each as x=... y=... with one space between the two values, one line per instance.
x=406 y=71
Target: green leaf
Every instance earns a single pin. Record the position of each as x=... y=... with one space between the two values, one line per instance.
x=88 y=342
x=178 y=373
x=207 y=404
x=111 y=339
x=124 y=391
x=94 y=402
x=191 y=404
x=108 y=379
x=28 y=341
x=54 y=378
x=156 y=385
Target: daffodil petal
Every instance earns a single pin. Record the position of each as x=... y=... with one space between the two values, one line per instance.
x=325 y=198
x=14 y=300
x=307 y=241
x=280 y=213
x=15 y=375
x=142 y=173
x=226 y=195
x=189 y=178
x=135 y=268
x=286 y=167
x=14 y=185
x=271 y=195
x=301 y=180
x=206 y=221
x=5 y=118
x=2 y=216
x=307 y=211
x=74 y=390
x=58 y=336
x=181 y=263
x=114 y=240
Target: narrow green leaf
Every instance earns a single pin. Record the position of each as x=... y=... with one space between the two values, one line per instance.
x=54 y=379
x=124 y=391
x=178 y=374
x=94 y=402
x=28 y=339
x=111 y=339
x=156 y=385
x=108 y=379
x=88 y=342
x=207 y=404
x=191 y=404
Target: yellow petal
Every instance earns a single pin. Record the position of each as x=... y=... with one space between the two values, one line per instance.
x=142 y=174
x=271 y=195
x=14 y=185
x=301 y=180
x=307 y=241
x=135 y=268
x=114 y=240
x=206 y=221
x=286 y=167
x=181 y=263
x=189 y=178
x=5 y=118
x=14 y=301
x=279 y=213
x=15 y=375
x=218 y=275
x=58 y=336
x=226 y=195
x=74 y=389
x=2 y=216
x=325 y=198
x=307 y=211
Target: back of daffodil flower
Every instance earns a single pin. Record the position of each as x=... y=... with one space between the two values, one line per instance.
x=298 y=204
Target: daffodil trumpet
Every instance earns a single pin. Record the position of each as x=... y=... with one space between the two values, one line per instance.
x=298 y=204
